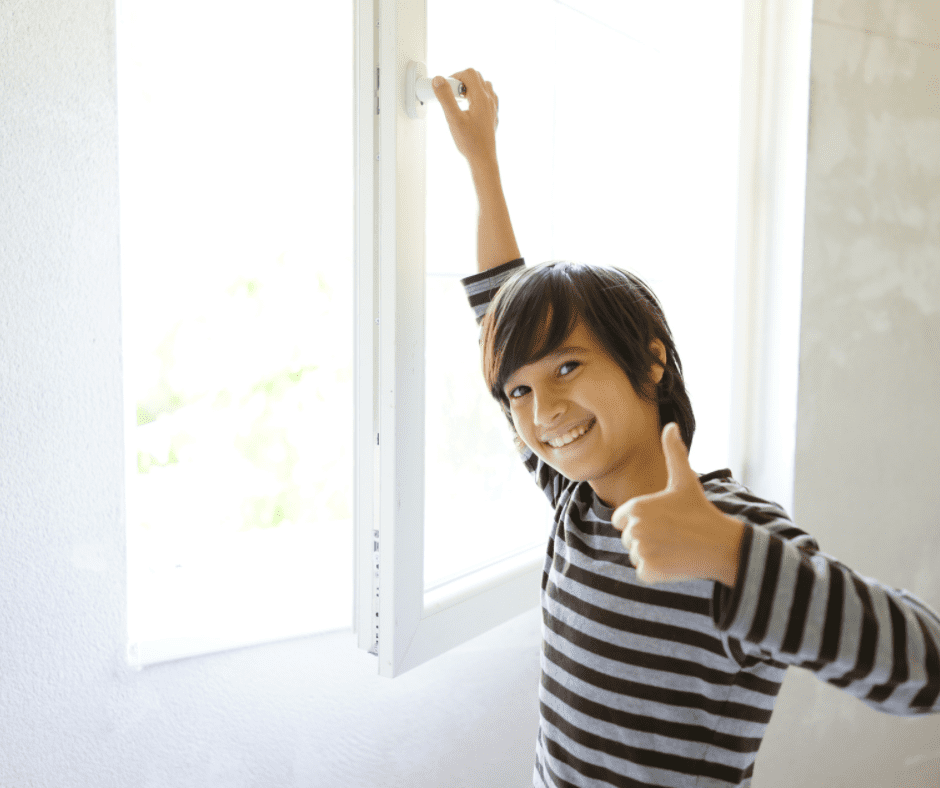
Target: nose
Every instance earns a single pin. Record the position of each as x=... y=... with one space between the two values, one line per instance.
x=547 y=407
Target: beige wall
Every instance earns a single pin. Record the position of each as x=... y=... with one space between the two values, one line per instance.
x=867 y=479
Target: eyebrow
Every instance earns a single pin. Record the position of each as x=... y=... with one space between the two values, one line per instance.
x=564 y=350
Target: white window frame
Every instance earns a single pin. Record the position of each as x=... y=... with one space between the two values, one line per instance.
x=402 y=624
x=775 y=95
x=395 y=618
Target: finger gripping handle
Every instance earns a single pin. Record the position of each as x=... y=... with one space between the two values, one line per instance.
x=419 y=90
x=424 y=90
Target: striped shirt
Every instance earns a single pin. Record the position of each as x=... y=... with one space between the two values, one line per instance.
x=674 y=684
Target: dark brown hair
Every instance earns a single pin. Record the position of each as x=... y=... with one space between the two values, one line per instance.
x=536 y=310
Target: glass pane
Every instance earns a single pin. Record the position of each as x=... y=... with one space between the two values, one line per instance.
x=618 y=144
x=236 y=203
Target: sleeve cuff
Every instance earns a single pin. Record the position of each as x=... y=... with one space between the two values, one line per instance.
x=492 y=272
x=726 y=601
x=481 y=288
x=757 y=609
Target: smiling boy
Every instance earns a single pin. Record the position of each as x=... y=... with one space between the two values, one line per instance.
x=576 y=409
x=672 y=683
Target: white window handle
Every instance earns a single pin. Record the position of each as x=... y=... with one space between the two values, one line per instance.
x=419 y=91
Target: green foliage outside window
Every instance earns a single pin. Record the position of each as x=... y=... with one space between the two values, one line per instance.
x=249 y=404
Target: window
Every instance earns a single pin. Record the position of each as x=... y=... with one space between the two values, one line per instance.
x=236 y=201
x=624 y=137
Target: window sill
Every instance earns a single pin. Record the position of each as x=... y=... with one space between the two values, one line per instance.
x=245 y=589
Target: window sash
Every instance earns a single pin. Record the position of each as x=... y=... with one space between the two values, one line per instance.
x=413 y=625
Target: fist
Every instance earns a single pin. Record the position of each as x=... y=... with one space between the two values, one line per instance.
x=473 y=129
x=678 y=534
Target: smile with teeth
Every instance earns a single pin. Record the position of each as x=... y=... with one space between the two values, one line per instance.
x=570 y=436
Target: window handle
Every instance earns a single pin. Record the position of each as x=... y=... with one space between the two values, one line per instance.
x=419 y=91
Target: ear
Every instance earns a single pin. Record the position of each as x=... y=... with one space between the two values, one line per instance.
x=658 y=370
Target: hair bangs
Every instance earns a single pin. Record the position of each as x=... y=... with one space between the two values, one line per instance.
x=544 y=306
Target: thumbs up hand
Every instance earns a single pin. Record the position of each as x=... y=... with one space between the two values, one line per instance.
x=678 y=534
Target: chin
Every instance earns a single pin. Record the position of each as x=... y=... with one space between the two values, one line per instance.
x=576 y=473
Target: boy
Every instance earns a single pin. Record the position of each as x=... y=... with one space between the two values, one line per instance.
x=672 y=603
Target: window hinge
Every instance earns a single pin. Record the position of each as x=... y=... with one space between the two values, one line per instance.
x=375 y=594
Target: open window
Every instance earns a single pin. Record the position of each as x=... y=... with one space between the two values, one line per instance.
x=236 y=243
x=625 y=137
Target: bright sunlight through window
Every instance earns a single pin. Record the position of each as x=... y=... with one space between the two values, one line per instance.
x=236 y=235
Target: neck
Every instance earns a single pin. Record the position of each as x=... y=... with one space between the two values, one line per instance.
x=645 y=474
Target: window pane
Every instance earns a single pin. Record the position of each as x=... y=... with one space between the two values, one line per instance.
x=618 y=144
x=236 y=203
x=479 y=503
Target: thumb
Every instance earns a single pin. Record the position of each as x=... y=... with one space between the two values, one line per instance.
x=677 y=458
x=445 y=96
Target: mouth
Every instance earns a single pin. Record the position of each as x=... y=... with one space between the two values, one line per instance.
x=572 y=436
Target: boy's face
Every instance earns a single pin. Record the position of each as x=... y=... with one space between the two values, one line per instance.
x=577 y=410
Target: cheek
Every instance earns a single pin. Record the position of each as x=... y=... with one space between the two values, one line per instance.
x=616 y=400
x=524 y=432
x=623 y=408
x=517 y=422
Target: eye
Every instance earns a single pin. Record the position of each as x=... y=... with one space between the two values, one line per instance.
x=518 y=391
x=568 y=364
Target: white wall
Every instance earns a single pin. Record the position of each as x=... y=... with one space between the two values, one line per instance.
x=867 y=457
x=310 y=712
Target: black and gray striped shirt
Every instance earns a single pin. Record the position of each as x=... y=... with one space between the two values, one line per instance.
x=674 y=684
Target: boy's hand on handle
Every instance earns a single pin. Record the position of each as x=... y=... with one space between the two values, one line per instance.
x=678 y=534
x=473 y=129
x=474 y=132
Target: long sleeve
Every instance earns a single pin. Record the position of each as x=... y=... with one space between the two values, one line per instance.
x=797 y=606
x=482 y=287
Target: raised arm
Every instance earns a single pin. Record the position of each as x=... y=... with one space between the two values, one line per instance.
x=474 y=133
